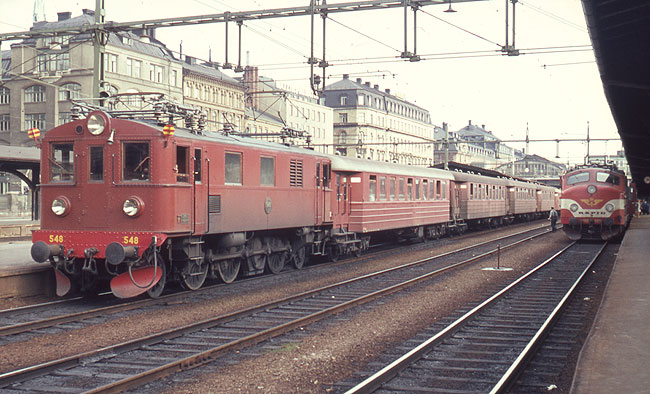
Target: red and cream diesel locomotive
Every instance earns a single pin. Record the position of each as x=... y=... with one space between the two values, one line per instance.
x=596 y=202
x=139 y=204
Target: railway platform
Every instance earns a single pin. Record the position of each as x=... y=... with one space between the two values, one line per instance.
x=19 y=274
x=616 y=356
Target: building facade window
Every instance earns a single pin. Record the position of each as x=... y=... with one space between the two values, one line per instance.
x=4 y=122
x=343 y=118
x=5 y=98
x=35 y=121
x=53 y=62
x=64 y=117
x=70 y=91
x=35 y=94
x=110 y=63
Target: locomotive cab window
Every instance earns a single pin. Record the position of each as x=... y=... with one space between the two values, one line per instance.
x=267 y=171
x=136 y=161
x=608 y=178
x=198 y=176
x=96 y=162
x=181 y=167
x=577 y=178
x=62 y=162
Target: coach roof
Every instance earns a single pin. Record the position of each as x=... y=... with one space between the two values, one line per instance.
x=348 y=164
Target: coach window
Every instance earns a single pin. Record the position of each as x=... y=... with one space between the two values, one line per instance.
x=198 y=176
x=136 y=161
x=233 y=169
x=425 y=189
x=417 y=189
x=392 y=189
x=401 y=188
x=382 y=188
x=372 y=187
x=327 y=175
x=438 y=190
x=409 y=188
x=181 y=167
x=267 y=171
x=444 y=190
x=608 y=178
x=96 y=162
x=62 y=162
x=318 y=174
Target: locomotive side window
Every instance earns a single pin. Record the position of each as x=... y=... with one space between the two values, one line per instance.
x=62 y=162
x=96 y=172
x=181 y=168
x=372 y=188
x=267 y=171
x=577 y=178
x=608 y=178
x=198 y=177
x=233 y=169
x=136 y=161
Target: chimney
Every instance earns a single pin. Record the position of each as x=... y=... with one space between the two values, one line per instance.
x=376 y=87
x=483 y=126
x=64 y=15
x=358 y=80
x=190 y=60
x=470 y=122
x=388 y=91
x=251 y=84
x=87 y=11
x=346 y=76
x=367 y=84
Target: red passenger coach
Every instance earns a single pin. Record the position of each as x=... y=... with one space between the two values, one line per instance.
x=409 y=202
x=596 y=202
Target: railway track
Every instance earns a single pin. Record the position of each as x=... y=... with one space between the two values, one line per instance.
x=485 y=349
x=136 y=362
x=23 y=323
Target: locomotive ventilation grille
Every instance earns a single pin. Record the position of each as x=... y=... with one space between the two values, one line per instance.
x=214 y=204
x=295 y=173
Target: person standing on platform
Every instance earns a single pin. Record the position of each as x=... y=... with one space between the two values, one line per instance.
x=552 y=216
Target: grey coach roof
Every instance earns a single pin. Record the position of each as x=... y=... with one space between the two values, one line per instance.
x=341 y=163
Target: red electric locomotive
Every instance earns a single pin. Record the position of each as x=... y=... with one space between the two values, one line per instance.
x=596 y=202
x=132 y=204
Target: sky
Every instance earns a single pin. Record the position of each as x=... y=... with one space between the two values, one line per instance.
x=553 y=88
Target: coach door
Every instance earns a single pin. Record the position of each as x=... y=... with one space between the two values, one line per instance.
x=200 y=188
x=323 y=191
x=341 y=204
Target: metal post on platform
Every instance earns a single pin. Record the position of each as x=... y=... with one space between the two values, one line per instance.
x=498 y=256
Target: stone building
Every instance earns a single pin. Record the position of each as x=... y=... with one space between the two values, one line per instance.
x=41 y=75
x=297 y=113
x=377 y=125
x=218 y=95
x=533 y=167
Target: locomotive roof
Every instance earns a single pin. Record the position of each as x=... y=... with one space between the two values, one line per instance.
x=342 y=163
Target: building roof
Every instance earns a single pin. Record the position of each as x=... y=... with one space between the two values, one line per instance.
x=347 y=84
x=472 y=130
x=210 y=72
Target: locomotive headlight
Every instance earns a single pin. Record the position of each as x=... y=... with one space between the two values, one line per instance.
x=60 y=206
x=133 y=206
x=573 y=207
x=591 y=189
x=609 y=207
x=96 y=124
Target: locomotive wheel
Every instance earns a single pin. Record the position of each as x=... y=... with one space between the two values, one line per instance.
x=256 y=261
x=157 y=290
x=228 y=269
x=275 y=263
x=299 y=257
x=334 y=252
x=194 y=274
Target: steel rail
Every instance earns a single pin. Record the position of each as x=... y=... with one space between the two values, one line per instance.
x=203 y=357
x=382 y=376
x=123 y=307
x=528 y=352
